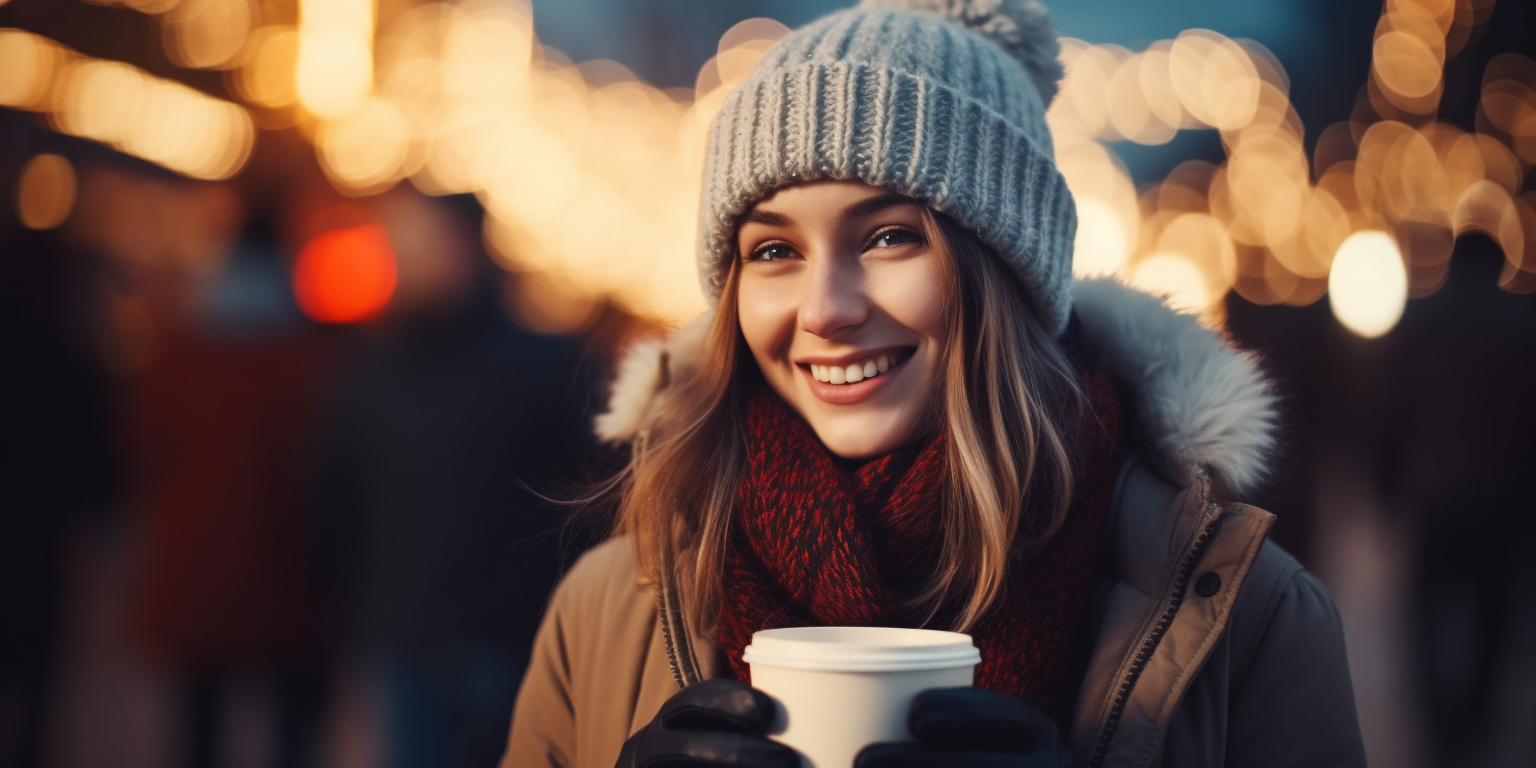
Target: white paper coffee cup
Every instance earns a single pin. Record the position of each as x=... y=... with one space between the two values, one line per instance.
x=839 y=689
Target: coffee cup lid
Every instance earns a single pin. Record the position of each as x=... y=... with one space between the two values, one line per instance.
x=861 y=649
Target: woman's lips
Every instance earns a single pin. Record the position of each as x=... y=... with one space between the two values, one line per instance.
x=848 y=394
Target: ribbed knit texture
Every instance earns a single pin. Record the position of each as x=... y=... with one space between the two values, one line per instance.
x=910 y=101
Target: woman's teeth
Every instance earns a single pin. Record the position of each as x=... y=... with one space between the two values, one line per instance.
x=837 y=374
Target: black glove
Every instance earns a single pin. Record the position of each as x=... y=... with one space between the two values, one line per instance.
x=972 y=728
x=711 y=723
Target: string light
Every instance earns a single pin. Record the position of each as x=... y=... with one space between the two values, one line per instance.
x=334 y=66
x=590 y=176
x=124 y=107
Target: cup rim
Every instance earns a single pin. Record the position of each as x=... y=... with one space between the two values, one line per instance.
x=861 y=649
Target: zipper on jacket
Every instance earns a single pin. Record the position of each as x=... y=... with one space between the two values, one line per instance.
x=666 y=635
x=1148 y=646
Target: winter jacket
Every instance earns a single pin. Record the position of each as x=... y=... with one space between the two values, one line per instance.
x=1213 y=646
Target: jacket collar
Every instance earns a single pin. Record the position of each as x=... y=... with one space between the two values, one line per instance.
x=1199 y=405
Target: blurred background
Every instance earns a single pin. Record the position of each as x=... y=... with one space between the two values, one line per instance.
x=305 y=306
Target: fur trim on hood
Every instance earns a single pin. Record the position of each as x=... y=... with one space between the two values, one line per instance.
x=1201 y=405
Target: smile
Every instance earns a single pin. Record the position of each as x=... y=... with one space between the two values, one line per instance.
x=856 y=381
x=858 y=371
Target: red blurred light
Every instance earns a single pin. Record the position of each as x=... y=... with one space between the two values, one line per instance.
x=345 y=275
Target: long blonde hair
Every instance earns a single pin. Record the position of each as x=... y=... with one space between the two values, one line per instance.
x=1010 y=398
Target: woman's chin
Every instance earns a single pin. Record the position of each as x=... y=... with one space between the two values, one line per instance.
x=863 y=438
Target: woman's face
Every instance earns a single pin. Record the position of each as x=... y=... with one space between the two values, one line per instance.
x=842 y=302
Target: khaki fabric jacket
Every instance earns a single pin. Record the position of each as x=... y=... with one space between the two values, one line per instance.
x=1213 y=646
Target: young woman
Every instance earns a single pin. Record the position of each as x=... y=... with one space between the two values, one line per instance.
x=901 y=411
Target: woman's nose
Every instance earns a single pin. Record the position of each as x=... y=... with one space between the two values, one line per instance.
x=834 y=298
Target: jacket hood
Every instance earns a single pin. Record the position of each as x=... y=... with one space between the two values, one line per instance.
x=1200 y=405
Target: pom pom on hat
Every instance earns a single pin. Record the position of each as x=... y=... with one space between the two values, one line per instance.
x=1022 y=27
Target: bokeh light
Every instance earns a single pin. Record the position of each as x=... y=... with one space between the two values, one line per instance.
x=365 y=151
x=334 y=65
x=345 y=275
x=30 y=63
x=124 y=107
x=159 y=120
x=142 y=6
x=1368 y=286
x=208 y=34
x=268 y=75
x=45 y=192
x=461 y=97
x=1176 y=278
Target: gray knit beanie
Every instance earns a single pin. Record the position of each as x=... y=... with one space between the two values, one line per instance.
x=940 y=100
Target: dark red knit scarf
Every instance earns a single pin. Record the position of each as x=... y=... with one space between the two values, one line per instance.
x=816 y=544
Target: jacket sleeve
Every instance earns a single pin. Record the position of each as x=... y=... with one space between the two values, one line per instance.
x=543 y=719
x=1293 y=703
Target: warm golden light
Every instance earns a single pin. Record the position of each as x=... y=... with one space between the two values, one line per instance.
x=267 y=76
x=1368 y=285
x=1186 y=67
x=29 y=63
x=365 y=152
x=143 y=6
x=45 y=193
x=152 y=6
x=1108 y=219
x=161 y=121
x=1508 y=103
x=1263 y=192
x=751 y=31
x=208 y=34
x=1131 y=112
x=461 y=97
x=1082 y=98
x=1176 y=278
x=1487 y=208
x=1229 y=86
x=1324 y=224
x=1405 y=65
x=1101 y=247
x=487 y=52
x=1157 y=86
x=1202 y=241
x=334 y=68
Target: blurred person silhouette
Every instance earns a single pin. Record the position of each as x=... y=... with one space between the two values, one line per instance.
x=443 y=429
x=216 y=425
x=1457 y=444
x=55 y=467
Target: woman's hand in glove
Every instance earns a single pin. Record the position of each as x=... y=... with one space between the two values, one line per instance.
x=972 y=728
x=711 y=723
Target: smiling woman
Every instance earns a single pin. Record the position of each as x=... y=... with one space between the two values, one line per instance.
x=901 y=412
x=842 y=301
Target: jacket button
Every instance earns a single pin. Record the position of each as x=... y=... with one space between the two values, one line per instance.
x=1208 y=584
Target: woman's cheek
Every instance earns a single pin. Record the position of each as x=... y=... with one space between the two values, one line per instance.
x=914 y=293
x=767 y=319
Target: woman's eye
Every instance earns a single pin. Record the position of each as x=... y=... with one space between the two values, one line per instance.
x=891 y=238
x=773 y=252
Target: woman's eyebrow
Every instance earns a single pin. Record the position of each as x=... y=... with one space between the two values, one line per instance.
x=873 y=205
x=767 y=218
